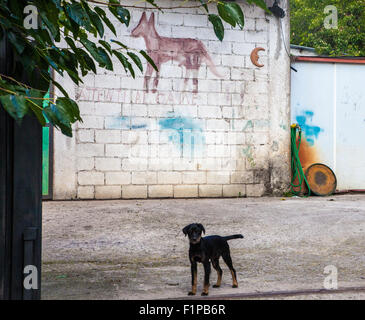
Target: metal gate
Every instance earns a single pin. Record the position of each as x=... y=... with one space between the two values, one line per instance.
x=20 y=197
x=328 y=102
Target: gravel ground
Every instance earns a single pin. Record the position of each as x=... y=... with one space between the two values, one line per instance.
x=134 y=249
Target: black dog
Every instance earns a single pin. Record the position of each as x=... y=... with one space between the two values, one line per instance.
x=208 y=249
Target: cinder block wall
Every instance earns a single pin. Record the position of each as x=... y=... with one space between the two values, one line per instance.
x=202 y=131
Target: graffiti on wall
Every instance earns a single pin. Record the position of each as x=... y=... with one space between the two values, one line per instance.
x=188 y=53
x=141 y=97
x=305 y=121
x=186 y=133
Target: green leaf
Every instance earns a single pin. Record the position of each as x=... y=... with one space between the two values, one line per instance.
x=14 y=6
x=122 y=14
x=51 y=26
x=16 y=42
x=217 y=25
x=75 y=108
x=149 y=59
x=69 y=25
x=232 y=12
x=154 y=4
x=91 y=47
x=260 y=3
x=53 y=64
x=99 y=54
x=118 y=42
x=71 y=43
x=58 y=119
x=38 y=113
x=58 y=4
x=136 y=60
x=33 y=93
x=86 y=61
x=124 y=60
x=45 y=74
x=225 y=14
x=106 y=45
x=96 y=21
x=63 y=114
x=49 y=15
x=107 y=63
x=16 y=106
x=205 y=6
x=43 y=36
x=103 y=16
x=69 y=108
x=76 y=12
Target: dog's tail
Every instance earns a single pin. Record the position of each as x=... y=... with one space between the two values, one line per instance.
x=209 y=62
x=235 y=236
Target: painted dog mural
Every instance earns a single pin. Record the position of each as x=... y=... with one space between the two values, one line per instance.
x=189 y=53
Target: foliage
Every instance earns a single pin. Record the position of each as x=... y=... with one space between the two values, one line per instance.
x=37 y=51
x=307 y=25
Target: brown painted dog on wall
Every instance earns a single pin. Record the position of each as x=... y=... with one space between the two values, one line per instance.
x=189 y=53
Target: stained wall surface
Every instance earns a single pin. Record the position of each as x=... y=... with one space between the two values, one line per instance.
x=328 y=102
x=209 y=124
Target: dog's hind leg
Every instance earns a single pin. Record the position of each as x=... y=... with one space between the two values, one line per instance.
x=227 y=259
x=194 y=278
x=147 y=77
x=186 y=79
x=206 y=278
x=195 y=80
x=215 y=263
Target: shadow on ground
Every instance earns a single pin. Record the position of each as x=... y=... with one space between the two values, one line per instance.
x=134 y=249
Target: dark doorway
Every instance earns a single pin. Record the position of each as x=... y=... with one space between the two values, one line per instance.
x=20 y=196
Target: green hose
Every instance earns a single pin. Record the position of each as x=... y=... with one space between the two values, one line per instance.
x=296 y=167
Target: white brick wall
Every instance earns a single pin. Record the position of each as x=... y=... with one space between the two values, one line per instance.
x=107 y=136
x=210 y=190
x=86 y=192
x=160 y=191
x=134 y=192
x=186 y=191
x=108 y=192
x=176 y=142
x=91 y=178
x=107 y=164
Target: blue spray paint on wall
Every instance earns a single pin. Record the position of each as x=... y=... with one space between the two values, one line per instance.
x=138 y=126
x=120 y=123
x=186 y=133
x=311 y=132
x=117 y=123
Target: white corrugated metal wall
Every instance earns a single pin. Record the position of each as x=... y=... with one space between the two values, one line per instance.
x=328 y=102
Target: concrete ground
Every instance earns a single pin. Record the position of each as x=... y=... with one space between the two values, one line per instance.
x=134 y=249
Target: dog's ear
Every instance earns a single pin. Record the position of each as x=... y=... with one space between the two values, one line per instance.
x=151 y=21
x=186 y=229
x=201 y=227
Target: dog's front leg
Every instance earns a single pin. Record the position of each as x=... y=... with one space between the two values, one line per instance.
x=194 y=278
x=206 y=278
x=147 y=77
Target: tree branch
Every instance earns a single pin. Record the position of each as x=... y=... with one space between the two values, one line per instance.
x=140 y=7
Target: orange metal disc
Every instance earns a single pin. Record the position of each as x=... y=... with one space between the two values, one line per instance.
x=321 y=179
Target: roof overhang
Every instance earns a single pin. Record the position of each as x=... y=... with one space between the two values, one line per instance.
x=348 y=60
